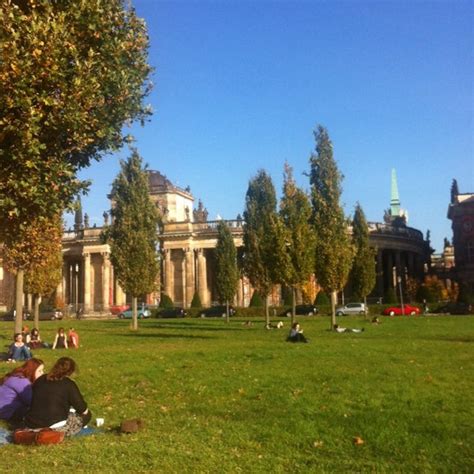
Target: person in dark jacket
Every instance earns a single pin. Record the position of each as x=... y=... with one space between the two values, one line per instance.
x=54 y=397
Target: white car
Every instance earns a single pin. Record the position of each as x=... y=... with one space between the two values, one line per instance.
x=351 y=308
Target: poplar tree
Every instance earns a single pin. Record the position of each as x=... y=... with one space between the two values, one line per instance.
x=261 y=258
x=295 y=213
x=133 y=233
x=334 y=251
x=227 y=273
x=363 y=273
x=35 y=257
x=43 y=279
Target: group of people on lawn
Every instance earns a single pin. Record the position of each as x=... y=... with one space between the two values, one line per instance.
x=32 y=399
x=29 y=398
x=25 y=341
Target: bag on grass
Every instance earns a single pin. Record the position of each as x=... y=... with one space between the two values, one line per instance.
x=42 y=436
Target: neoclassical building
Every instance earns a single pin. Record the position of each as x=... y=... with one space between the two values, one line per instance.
x=187 y=243
x=461 y=214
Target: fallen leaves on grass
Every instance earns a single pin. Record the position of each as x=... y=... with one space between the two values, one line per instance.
x=318 y=444
x=358 y=441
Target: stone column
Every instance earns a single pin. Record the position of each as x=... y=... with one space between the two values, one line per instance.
x=390 y=269
x=105 y=282
x=189 y=277
x=240 y=293
x=169 y=276
x=120 y=297
x=379 y=273
x=411 y=264
x=87 y=281
x=398 y=264
x=202 y=278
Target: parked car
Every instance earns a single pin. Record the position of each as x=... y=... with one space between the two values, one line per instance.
x=351 y=308
x=454 y=308
x=397 y=310
x=120 y=308
x=49 y=315
x=142 y=312
x=8 y=316
x=303 y=310
x=172 y=313
x=217 y=311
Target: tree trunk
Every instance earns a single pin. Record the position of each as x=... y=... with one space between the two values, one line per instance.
x=36 y=304
x=134 y=314
x=333 y=308
x=366 y=308
x=267 y=312
x=19 y=301
x=293 y=305
x=227 y=319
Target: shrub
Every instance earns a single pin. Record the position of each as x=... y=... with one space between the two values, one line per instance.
x=322 y=299
x=256 y=301
x=166 y=301
x=390 y=297
x=196 y=302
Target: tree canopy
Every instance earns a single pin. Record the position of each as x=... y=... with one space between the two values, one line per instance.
x=260 y=216
x=133 y=233
x=363 y=272
x=227 y=273
x=334 y=251
x=72 y=74
x=295 y=213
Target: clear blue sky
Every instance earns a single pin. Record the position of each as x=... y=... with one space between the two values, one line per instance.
x=240 y=85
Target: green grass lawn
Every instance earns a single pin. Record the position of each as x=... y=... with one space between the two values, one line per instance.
x=231 y=398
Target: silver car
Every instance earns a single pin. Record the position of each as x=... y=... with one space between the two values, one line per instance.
x=351 y=308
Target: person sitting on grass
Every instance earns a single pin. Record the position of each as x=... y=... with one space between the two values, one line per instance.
x=18 y=349
x=35 y=340
x=54 y=395
x=73 y=339
x=337 y=328
x=25 y=332
x=60 y=341
x=15 y=390
x=296 y=334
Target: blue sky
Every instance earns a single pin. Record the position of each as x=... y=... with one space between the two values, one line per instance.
x=241 y=85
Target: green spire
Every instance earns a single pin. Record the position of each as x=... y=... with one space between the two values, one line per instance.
x=394 y=198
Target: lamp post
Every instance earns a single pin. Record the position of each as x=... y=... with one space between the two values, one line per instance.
x=399 y=279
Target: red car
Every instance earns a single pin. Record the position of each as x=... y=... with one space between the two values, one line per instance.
x=397 y=310
x=117 y=309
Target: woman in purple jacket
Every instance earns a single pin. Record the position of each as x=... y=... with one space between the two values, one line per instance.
x=15 y=389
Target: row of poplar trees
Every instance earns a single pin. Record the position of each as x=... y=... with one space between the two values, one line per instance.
x=308 y=235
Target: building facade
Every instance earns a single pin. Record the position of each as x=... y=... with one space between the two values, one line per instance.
x=461 y=214
x=187 y=243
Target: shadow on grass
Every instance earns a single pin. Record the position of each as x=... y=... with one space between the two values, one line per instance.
x=203 y=327
x=162 y=336
x=449 y=338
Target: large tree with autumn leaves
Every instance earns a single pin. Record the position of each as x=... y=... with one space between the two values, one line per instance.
x=71 y=75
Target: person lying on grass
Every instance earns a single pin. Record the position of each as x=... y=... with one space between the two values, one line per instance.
x=54 y=395
x=337 y=328
x=16 y=389
x=296 y=334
